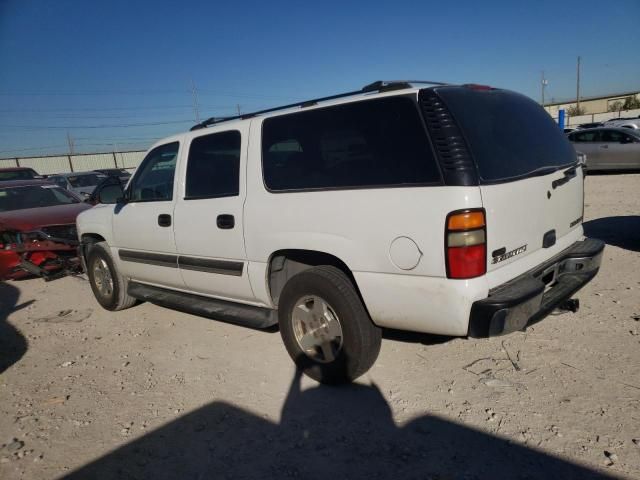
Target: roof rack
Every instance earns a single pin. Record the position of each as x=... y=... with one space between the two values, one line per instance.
x=377 y=86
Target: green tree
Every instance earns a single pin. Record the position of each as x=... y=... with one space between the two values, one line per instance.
x=575 y=110
x=631 y=103
x=616 y=106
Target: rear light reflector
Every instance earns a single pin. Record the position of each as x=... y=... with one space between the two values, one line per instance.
x=467 y=262
x=466 y=244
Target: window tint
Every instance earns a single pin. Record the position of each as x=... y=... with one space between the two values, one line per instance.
x=362 y=144
x=509 y=135
x=88 y=180
x=154 y=179
x=613 y=136
x=592 y=136
x=59 y=181
x=213 y=168
x=26 y=174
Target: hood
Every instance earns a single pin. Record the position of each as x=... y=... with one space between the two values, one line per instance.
x=34 y=218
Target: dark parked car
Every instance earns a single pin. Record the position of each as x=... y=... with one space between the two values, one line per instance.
x=590 y=125
x=37 y=229
x=18 y=173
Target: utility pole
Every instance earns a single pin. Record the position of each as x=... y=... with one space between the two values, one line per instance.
x=543 y=84
x=71 y=143
x=578 y=86
x=194 y=94
x=238 y=107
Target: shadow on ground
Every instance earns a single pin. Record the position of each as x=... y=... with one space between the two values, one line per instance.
x=13 y=345
x=623 y=231
x=324 y=433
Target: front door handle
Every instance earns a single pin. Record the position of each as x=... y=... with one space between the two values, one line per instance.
x=164 y=220
x=604 y=146
x=225 y=221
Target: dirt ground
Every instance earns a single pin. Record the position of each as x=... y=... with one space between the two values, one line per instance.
x=154 y=393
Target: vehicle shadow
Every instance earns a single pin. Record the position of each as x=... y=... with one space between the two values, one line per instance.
x=324 y=432
x=13 y=344
x=414 y=337
x=622 y=231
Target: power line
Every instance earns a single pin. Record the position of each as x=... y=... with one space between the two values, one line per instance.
x=46 y=127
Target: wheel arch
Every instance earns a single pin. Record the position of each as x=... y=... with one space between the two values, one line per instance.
x=284 y=264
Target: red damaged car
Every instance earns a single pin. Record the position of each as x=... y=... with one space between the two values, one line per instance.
x=37 y=229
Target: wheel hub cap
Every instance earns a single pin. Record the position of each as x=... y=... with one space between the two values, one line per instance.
x=102 y=277
x=317 y=329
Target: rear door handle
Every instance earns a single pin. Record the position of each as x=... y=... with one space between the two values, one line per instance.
x=226 y=221
x=164 y=220
x=604 y=146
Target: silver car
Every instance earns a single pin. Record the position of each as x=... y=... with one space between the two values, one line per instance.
x=80 y=183
x=608 y=148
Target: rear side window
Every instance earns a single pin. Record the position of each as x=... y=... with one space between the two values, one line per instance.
x=371 y=143
x=213 y=167
x=509 y=135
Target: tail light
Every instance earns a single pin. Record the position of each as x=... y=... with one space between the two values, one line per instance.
x=466 y=244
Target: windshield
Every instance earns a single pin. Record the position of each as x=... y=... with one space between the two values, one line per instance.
x=509 y=135
x=88 y=180
x=34 y=196
x=26 y=174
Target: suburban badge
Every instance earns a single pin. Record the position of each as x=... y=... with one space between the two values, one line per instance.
x=507 y=255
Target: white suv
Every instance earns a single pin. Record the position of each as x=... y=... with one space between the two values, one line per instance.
x=452 y=210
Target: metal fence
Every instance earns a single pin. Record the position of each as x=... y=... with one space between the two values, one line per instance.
x=76 y=163
x=599 y=117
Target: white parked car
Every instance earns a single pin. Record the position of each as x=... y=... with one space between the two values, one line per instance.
x=632 y=123
x=452 y=210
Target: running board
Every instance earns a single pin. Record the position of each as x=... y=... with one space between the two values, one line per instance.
x=230 y=312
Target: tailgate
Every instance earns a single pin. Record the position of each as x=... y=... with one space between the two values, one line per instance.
x=530 y=214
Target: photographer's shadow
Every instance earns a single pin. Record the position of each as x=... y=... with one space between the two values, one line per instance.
x=13 y=344
x=324 y=433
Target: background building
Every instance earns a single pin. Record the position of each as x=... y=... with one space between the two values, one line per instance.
x=600 y=104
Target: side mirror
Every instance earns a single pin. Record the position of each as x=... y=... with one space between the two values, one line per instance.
x=626 y=140
x=110 y=191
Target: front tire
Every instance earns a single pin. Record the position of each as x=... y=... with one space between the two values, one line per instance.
x=325 y=327
x=108 y=285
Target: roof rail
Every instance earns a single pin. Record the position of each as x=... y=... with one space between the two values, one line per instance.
x=378 y=86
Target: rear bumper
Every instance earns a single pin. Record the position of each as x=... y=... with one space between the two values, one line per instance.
x=531 y=297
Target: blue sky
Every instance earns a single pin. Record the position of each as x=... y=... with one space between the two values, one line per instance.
x=117 y=74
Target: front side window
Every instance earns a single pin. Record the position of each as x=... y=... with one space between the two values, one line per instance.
x=372 y=143
x=592 y=136
x=213 y=167
x=154 y=179
x=613 y=136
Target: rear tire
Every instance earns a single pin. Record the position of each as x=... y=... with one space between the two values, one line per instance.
x=108 y=285
x=325 y=327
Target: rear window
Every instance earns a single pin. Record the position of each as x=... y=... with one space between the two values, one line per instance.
x=26 y=174
x=89 y=180
x=509 y=135
x=34 y=196
x=364 y=144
